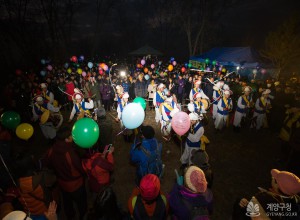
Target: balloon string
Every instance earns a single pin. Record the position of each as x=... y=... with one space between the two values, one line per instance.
x=121 y=132
x=12 y=179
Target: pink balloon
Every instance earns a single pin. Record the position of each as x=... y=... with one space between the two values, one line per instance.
x=143 y=62
x=174 y=63
x=152 y=66
x=181 y=123
x=83 y=74
x=49 y=67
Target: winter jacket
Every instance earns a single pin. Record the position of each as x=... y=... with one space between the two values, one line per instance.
x=105 y=91
x=180 y=196
x=140 y=88
x=70 y=89
x=139 y=158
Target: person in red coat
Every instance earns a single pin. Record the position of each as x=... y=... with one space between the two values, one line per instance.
x=70 y=90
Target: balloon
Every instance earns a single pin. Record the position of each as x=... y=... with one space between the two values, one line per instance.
x=43 y=73
x=223 y=70
x=10 y=119
x=206 y=60
x=85 y=132
x=105 y=67
x=172 y=59
x=74 y=59
x=263 y=71
x=186 y=65
x=18 y=72
x=214 y=62
x=43 y=61
x=138 y=65
x=254 y=71
x=174 y=63
x=189 y=65
x=145 y=70
x=90 y=65
x=140 y=101
x=49 y=67
x=79 y=71
x=24 y=131
x=83 y=74
x=208 y=68
x=81 y=58
x=69 y=70
x=170 y=67
x=152 y=66
x=66 y=65
x=143 y=62
x=159 y=63
x=147 y=77
x=181 y=123
x=101 y=71
x=133 y=115
x=183 y=69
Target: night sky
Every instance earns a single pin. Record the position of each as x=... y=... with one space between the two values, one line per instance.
x=125 y=25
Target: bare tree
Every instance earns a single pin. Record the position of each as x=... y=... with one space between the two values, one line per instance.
x=282 y=47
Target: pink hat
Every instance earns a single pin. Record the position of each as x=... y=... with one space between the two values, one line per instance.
x=195 y=179
x=287 y=182
x=149 y=187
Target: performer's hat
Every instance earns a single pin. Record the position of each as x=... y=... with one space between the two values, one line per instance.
x=43 y=85
x=191 y=107
x=39 y=99
x=197 y=82
x=125 y=95
x=228 y=92
x=226 y=87
x=161 y=85
x=77 y=96
x=217 y=86
x=193 y=116
x=247 y=89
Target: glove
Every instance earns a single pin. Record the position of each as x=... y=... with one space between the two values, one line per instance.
x=179 y=179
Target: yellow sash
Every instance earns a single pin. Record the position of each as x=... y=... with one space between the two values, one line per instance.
x=198 y=104
x=169 y=107
x=263 y=102
x=160 y=94
x=226 y=102
x=196 y=90
x=246 y=100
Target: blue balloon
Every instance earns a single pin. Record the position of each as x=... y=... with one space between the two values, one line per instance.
x=159 y=62
x=172 y=59
x=147 y=77
x=43 y=73
x=66 y=65
x=81 y=58
x=186 y=65
x=43 y=61
x=133 y=115
x=90 y=65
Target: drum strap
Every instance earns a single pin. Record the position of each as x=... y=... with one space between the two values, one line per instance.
x=41 y=108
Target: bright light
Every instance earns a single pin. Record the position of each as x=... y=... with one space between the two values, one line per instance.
x=237 y=67
x=122 y=73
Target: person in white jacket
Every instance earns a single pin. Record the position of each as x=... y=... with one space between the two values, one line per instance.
x=151 y=92
x=262 y=105
x=159 y=97
x=193 y=139
x=81 y=107
x=224 y=108
x=244 y=103
x=195 y=90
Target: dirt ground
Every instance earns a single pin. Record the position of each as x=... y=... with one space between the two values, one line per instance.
x=240 y=161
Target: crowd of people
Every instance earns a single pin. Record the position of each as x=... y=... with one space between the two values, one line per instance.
x=225 y=99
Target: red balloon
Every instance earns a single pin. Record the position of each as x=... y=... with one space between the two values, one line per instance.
x=183 y=69
x=101 y=71
x=74 y=59
x=18 y=72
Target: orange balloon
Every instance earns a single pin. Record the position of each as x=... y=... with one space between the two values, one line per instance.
x=146 y=70
x=170 y=67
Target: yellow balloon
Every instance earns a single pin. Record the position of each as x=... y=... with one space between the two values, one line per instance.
x=24 y=131
x=69 y=70
x=79 y=71
x=223 y=70
x=170 y=67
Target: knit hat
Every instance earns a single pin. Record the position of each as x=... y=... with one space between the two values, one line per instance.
x=148 y=132
x=149 y=187
x=195 y=179
x=16 y=215
x=287 y=182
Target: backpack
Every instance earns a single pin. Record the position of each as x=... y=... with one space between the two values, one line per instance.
x=154 y=164
x=196 y=212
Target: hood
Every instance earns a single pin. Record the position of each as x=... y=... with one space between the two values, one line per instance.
x=196 y=198
x=150 y=144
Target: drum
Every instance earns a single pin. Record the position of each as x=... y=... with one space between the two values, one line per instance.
x=205 y=103
x=45 y=116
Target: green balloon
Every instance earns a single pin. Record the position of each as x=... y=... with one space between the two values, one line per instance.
x=189 y=65
x=140 y=101
x=10 y=119
x=85 y=132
